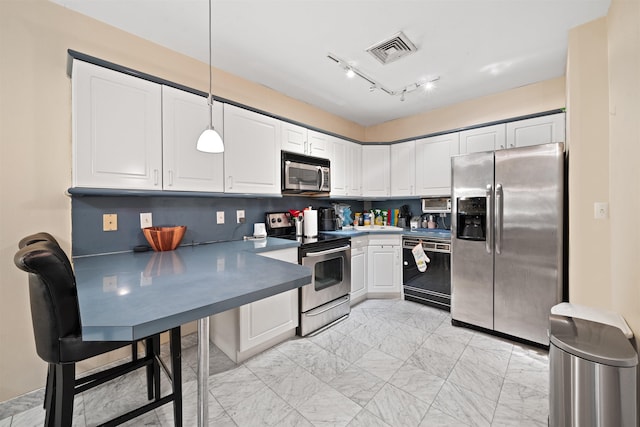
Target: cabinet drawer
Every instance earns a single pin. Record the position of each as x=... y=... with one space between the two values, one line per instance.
x=385 y=239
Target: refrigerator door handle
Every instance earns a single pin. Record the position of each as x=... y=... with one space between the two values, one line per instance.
x=499 y=207
x=488 y=242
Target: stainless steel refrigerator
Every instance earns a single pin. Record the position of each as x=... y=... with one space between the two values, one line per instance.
x=507 y=239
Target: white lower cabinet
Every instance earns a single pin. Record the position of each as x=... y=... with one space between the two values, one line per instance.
x=384 y=266
x=358 y=269
x=252 y=328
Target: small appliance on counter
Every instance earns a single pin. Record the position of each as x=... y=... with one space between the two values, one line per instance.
x=327 y=219
x=415 y=222
x=404 y=217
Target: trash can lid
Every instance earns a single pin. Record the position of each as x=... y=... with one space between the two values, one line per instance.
x=592 y=341
x=599 y=315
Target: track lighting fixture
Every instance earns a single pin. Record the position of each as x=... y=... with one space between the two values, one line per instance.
x=352 y=71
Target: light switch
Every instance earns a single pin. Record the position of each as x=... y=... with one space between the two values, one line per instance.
x=146 y=220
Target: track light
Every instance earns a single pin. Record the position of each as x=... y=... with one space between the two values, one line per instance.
x=352 y=71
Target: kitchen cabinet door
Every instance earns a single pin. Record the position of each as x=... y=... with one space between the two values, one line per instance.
x=251 y=152
x=433 y=164
x=358 y=269
x=294 y=138
x=486 y=138
x=252 y=328
x=340 y=167
x=538 y=130
x=376 y=171
x=384 y=271
x=319 y=144
x=117 y=129
x=354 y=174
x=184 y=117
x=403 y=171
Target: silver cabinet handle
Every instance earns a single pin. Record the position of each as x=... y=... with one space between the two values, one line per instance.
x=230 y=182
x=155 y=177
x=499 y=207
x=320 y=310
x=170 y=178
x=487 y=225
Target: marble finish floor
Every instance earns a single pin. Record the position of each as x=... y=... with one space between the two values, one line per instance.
x=391 y=363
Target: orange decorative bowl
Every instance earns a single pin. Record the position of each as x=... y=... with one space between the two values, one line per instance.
x=164 y=238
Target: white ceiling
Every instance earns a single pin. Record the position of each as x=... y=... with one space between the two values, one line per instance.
x=476 y=47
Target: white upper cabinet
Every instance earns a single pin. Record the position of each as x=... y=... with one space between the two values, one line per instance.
x=538 y=130
x=117 y=129
x=319 y=144
x=376 y=168
x=433 y=164
x=340 y=168
x=184 y=117
x=487 y=138
x=403 y=171
x=354 y=185
x=251 y=152
x=294 y=138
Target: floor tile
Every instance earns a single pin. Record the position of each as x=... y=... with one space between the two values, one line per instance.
x=417 y=382
x=432 y=362
x=505 y=417
x=379 y=364
x=531 y=403
x=397 y=407
x=328 y=407
x=466 y=406
x=476 y=379
x=492 y=360
x=296 y=386
x=233 y=387
x=437 y=418
x=324 y=365
x=264 y=408
x=357 y=384
x=294 y=419
x=367 y=419
x=5 y=422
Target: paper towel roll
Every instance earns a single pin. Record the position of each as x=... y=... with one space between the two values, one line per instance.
x=310 y=223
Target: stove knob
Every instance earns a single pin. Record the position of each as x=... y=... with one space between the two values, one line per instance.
x=279 y=219
x=273 y=220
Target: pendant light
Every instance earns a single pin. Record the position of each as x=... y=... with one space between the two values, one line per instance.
x=210 y=140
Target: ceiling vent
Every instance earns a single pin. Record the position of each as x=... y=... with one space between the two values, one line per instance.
x=393 y=48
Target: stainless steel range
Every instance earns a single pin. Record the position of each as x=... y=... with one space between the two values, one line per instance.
x=326 y=299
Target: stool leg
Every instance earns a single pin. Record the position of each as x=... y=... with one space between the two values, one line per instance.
x=50 y=389
x=148 y=349
x=64 y=390
x=176 y=375
x=156 y=365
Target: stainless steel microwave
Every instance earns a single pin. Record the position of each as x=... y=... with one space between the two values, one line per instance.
x=305 y=174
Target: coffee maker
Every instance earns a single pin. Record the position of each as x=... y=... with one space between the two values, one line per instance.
x=472 y=217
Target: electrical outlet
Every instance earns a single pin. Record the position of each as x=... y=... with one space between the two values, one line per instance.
x=146 y=220
x=240 y=216
x=600 y=210
x=109 y=222
x=220 y=217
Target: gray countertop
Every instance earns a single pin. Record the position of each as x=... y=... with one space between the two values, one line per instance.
x=128 y=296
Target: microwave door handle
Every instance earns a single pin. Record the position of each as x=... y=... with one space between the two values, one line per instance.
x=321 y=178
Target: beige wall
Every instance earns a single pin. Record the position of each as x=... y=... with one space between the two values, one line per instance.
x=535 y=98
x=587 y=130
x=624 y=157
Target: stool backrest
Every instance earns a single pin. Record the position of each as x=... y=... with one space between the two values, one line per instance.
x=37 y=237
x=53 y=296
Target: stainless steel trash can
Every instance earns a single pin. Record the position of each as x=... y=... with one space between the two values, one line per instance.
x=592 y=375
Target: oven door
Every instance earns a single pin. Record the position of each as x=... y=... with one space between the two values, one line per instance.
x=331 y=276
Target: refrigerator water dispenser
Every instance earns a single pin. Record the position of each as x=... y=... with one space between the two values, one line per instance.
x=472 y=214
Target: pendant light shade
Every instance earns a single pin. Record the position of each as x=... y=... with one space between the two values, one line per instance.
x=210 y=140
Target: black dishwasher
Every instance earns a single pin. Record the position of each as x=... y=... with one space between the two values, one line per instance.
x=433 y=287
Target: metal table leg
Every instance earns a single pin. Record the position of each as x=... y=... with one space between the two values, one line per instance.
x=203 y=371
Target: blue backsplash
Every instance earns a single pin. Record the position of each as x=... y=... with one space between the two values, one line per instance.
x=197 y=213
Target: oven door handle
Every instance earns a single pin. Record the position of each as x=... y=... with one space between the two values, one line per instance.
x=328 y=251
x=320 y=310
